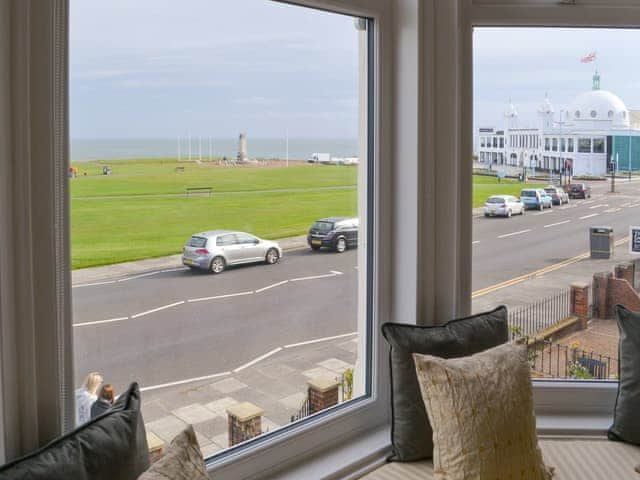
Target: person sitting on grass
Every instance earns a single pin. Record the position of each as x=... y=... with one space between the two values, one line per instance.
x=104 y=402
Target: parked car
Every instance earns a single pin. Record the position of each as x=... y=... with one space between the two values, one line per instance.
x=579 y=190
x=217 y=249
x=335 y=233
x=535 y=198
x=558 y=196
x=503 y=205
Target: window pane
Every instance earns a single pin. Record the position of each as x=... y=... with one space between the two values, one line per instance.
x=219 y=210
x=558 y=266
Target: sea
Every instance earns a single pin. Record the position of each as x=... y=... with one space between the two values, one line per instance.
x=205 y=148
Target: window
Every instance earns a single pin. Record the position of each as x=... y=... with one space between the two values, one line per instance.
x=562 y=145
x=577 y=114
x=554 y=146
x=547 y=144
x=501 y=142
x=495 y=142
x=570 y=145
x=232 y=155
x=598 y=145
x=610 y=114
x=482 y=141
x=594 y=114
x=584 y=145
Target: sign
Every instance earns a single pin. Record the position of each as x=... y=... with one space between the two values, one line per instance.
x=634 y=240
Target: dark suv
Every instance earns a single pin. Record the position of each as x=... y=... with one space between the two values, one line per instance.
x=335 y=233
x=579 y=190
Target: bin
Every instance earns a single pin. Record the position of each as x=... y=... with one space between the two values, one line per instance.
x=601 y=242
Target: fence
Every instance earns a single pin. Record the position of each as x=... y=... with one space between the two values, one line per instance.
x=544 y=313
x=303 y=412
x=345 y=393
x=555 y=360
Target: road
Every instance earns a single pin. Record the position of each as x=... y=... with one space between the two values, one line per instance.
x=173 y=325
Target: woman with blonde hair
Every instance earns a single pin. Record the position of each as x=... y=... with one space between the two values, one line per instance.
x=86 y=396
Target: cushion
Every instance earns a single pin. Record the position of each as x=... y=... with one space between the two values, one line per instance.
x=410 y=431
x=112 y=446
x=626 y=420
x=481 y=411
x=183 y=460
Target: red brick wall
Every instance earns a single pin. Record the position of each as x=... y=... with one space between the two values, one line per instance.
x=621 y=291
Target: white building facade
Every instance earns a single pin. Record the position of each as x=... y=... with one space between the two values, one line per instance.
x=592 y=136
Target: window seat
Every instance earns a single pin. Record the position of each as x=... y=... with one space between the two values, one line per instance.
x=573 y=459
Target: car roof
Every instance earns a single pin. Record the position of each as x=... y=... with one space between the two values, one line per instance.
x=500 y=196
x=214 y=233
x=332 y=219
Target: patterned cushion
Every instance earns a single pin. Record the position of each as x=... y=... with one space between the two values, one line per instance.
x=183 y=460
x=481 y=411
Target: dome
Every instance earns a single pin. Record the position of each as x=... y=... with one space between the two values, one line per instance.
x=511 y=111
x=598 y=105
x=545 y=107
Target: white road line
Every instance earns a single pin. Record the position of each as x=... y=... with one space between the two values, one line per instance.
x=627 y=204
x=634 y=205
x=475 y=242
x=514 y=233
x=318 y=340
x=611 y=210
x=174 y=269
x=587 y=202
x=272 y=286
x=92 y=284
x=256 y=360
x=182 y=382
x=556 y=224
x=313 y=278
x=98 y=322
x=164 y=307
x=589 y=216
x=203 y=299
x=544 y=212
x=600 y=205
x=336 y=272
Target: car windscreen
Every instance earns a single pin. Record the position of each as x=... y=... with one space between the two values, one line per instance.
x=322 y=227
x=576 y=186
x=197 y=242
x=496 y=200
x=550 y=190
x=528 y=193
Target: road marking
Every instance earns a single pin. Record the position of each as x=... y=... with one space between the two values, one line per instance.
x=611 y=210
x=142 y=275
x=538 y=273
x=589 y=216
x=272 y=286
x=313 y=278
x=544 y=212
x=599 y=206
x=256 y=360
x=587 y=202
x=318 y=340
x=164 y=307
x=182 y=382
x=98 y=322
x=556 y=224
x=634 y=205
x=514 y=233
x=336 y=272
x=476 y=242
x=203 y=299
x=627 y=204
x=92 y=284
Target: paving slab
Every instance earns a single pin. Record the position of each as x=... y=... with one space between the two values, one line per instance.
x=228 y=385
x=194 y=413
x=167 y=427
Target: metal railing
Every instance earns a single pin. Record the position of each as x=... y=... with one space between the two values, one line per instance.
x=527 y=321
x=304 y=411
x=554 y=360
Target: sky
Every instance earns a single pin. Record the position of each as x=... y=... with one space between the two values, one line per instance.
x=525 y=63
x=163 y=69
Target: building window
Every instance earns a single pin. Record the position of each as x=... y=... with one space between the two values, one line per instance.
x=584 y=145
x=577 y=114
x=610 y=114
x=501 y=142
x=495 y=142
x=570 y=145
x=562 y=145
x=594 y=114
x=204 y=323
x=482 y=141
x=554 y=146
x=547 y=144
x=598 y=145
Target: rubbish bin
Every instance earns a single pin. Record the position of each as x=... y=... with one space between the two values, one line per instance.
x=601 y=241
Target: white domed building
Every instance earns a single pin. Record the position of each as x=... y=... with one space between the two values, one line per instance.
x=594 y=134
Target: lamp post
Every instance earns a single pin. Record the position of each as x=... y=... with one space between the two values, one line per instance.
x=629 y=131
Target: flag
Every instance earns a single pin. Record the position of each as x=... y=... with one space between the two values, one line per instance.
x=589 y=58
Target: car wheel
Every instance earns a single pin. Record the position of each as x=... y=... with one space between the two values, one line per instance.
x=272 y=256
x=218 y=265
x=315 y=247
x=341 y=245
x=508 y=213
x=486 y=215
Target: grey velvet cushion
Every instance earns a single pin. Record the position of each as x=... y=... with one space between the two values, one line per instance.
x=626 y=417
x=411 y=433
x=183 y=460
x=112 y=446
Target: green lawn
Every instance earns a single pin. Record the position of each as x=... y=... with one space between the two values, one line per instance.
x=124 y=216
x=484 y=187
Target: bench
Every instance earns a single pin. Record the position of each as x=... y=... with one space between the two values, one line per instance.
x=198 y=190
x=573 y=459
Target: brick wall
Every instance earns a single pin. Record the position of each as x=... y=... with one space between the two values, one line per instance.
x=621 y=291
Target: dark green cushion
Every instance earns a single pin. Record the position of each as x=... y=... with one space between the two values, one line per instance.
x=411 y=434
x=626 y=416
x=112 y=446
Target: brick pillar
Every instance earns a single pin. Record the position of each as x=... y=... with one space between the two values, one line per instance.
x=600 y=285
x=580 y=302
x=245 y=422
x=323 y=393
x=626 y=271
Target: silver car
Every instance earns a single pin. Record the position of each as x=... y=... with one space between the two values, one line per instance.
x=217 y=249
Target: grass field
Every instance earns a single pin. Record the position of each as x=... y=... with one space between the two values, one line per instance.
x=140 y=210
x=484 y=186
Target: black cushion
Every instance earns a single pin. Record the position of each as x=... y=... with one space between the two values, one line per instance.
x=411 y=434
x=112 y=446
x=626 y=416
